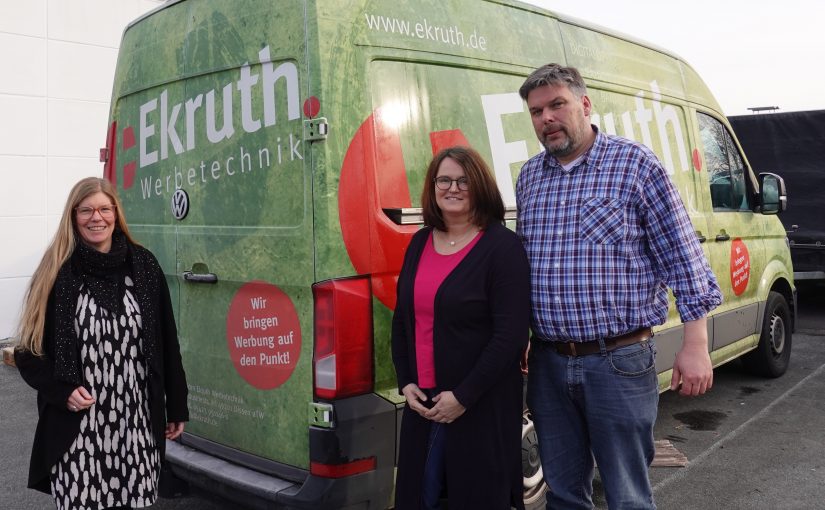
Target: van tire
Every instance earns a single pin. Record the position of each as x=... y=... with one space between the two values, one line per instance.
x=534 y=484
x=773 y=354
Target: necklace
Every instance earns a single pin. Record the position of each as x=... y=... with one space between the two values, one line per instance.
x=461 y=238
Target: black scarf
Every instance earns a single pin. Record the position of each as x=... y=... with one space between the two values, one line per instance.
x=103 y=274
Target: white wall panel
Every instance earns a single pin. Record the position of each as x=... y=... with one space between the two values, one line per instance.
x=98 y=22
x=80 y=71
x=26 y=17
x=21 y=257
x=77 y=128
x=24 y=68
x=22 y=125
x=23 y=181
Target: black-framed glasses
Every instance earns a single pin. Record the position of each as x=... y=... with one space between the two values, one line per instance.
x=106 y=212
x=444 y=183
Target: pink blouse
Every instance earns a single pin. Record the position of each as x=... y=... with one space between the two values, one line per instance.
x=433 y=269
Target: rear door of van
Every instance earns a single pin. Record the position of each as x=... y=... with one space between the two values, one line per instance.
x=212 y=169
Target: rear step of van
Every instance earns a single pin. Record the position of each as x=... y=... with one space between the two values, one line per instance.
x=258 y=483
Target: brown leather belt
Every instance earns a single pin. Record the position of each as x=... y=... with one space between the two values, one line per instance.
x=612 y=343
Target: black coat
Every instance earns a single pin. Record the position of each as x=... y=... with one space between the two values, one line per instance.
x=57 y=427
x=480 y=330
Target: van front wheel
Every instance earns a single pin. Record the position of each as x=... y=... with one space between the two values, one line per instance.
x=772 y=356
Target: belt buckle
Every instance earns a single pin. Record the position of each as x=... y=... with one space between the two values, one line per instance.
x=572 y=346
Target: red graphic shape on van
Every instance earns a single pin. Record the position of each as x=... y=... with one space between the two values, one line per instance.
x=373 y=177
x=263 y=335
x=445 y=139
x=740 y=266
x=128 y=138
x=311 y=107
x=129 y=170
x=697 y=160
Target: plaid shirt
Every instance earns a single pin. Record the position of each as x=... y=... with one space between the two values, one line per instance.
x=604 y=241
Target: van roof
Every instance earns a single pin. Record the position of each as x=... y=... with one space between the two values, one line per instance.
x=572 y=20
x=692 y=86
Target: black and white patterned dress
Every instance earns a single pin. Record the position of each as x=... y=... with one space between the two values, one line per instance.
x=114 y=461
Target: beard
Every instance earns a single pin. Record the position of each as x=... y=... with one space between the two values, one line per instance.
x=561 y=148
x=566 y=146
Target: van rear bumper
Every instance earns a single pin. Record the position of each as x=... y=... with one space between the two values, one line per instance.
x=365 y=426
x=256 y=490
x=228 y=480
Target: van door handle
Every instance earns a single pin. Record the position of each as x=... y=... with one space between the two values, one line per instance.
x=700 y=237
x=200 y=274
x=722 y=237
x=189 y=276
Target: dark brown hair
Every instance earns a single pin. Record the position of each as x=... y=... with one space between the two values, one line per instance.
x=485 y=198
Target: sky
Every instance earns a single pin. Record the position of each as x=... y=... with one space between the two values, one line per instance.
x=750 y=53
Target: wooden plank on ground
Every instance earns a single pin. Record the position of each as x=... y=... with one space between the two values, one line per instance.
x=667 y=455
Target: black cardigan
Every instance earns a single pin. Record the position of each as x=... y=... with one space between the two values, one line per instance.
x=480 y=330
x=57 y=427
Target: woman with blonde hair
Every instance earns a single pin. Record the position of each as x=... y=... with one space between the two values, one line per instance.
x=98 y=341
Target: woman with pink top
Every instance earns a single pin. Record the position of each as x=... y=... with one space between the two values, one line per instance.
x=460 y=326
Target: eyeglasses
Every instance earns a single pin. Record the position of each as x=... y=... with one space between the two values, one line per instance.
x=106 y=212
x=444 y=183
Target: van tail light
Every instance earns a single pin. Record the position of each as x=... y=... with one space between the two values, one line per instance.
x=342 y=470
x=343 y=356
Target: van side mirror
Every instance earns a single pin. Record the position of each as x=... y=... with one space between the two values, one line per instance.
x=773 y=198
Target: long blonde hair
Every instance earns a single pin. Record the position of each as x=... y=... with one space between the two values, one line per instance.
x=33 y=318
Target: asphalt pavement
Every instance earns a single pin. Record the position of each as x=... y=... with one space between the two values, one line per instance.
x=752 y=443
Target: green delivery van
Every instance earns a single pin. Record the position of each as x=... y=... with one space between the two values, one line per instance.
x=271 y=154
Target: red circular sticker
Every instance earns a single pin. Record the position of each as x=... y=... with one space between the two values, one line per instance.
x=311 y=107
x=740 y=266
x=263 y=334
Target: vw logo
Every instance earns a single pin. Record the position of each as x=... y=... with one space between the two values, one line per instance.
x=180 y=204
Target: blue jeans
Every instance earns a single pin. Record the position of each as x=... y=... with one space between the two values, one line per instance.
x=434 y=469
x=600 y=406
